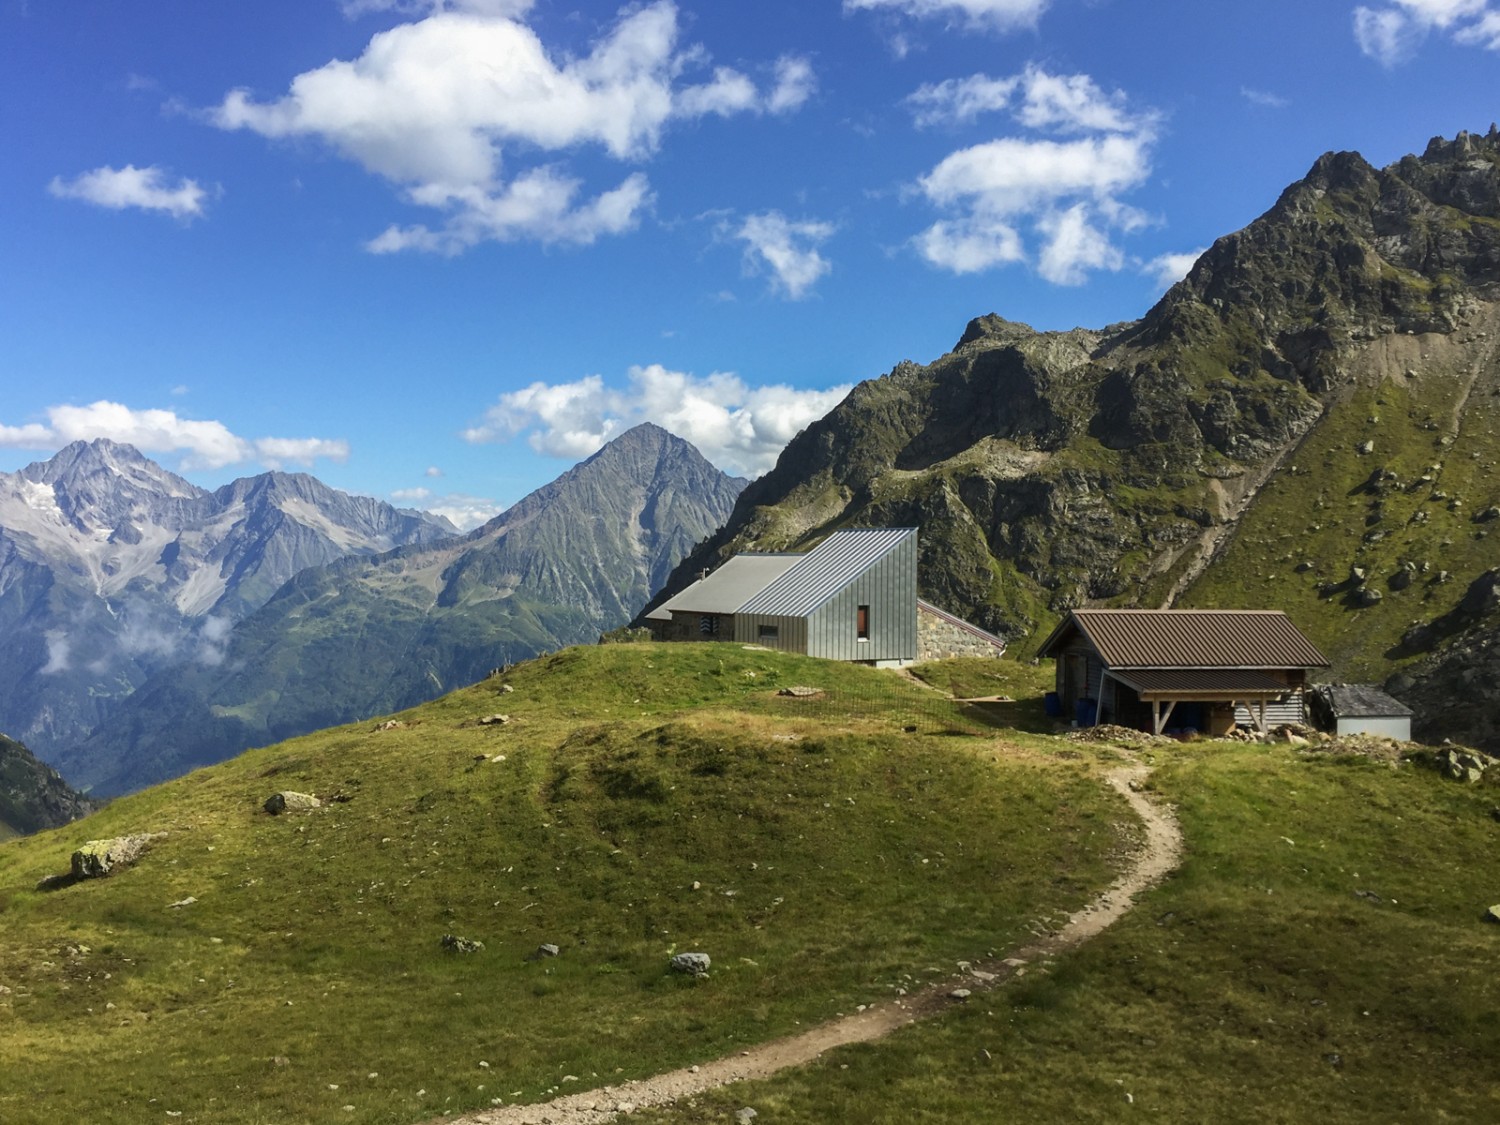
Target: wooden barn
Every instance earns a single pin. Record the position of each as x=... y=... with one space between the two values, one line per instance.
x=1162 y=669
x=852 y=597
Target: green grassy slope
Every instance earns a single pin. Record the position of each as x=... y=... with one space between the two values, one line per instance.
x=642 y=799
x=1320 y=957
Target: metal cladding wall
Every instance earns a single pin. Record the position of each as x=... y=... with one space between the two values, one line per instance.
x=791 y=632
x=889 y=588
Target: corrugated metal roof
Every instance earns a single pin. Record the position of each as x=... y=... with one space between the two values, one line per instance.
x=1363 y=701
x=1193 y=638
x=1229 y=683
x=730 y=586
x=825 y=570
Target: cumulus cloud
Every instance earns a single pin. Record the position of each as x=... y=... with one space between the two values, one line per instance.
x=1393 y=33
x=464 y=512
x=1067 y=187
x=996 y=15
x=1168 y=269
x=145 y=188
x=787 y=248
x=203 y=444
x=445 y=106
x=740 y=428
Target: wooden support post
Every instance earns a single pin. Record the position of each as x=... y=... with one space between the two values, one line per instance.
x=1160 y=717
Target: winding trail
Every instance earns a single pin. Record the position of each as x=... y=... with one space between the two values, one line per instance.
x=1158 y=856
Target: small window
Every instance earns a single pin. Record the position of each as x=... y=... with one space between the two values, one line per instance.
x=708 y=625
x=769 y=634
x=862 y=622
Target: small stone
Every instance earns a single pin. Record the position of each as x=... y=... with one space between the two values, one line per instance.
x=181 y=903
x=546 y=949
x=745 y=1116
x=455 y=944
x=800 y=691
x=1365 y=447
x=494 y=720
x=960 y=994
x=1493 y=913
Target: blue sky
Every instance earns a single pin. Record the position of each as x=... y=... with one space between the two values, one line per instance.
x=437 y=251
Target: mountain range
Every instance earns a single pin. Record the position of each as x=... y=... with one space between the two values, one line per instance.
x=112 y=568
x=363 y=636
x=1308 y=421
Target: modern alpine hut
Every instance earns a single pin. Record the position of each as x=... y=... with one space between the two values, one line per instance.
x=1159 y=669
x=852 y=597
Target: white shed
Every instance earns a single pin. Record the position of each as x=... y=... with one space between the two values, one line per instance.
x=1362 y=709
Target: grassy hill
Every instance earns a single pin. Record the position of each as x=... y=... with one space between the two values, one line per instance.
x=641 y=800
x=1321 y=955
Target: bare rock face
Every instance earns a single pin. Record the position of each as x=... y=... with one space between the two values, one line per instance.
x=34 y=796
x=99 y=858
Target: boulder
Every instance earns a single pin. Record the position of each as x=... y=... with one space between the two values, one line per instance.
x=693 y=964
x=290 y=802
x=546 y=949
x=98 y=858
x=494 y=720
x=1493 y=913
x=800 y=691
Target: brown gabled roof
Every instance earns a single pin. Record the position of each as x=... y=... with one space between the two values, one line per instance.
x=1189 y=638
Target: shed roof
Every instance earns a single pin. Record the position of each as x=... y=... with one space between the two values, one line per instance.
x=729 y=587
x=1189 y=638
x=825 y=570
x=1233 y=684
x=1363 y=701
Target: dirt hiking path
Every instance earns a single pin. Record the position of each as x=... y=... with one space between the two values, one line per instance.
x=1158 y=856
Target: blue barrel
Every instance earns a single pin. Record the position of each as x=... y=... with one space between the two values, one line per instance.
x=1052 y=705
x=1084 y=711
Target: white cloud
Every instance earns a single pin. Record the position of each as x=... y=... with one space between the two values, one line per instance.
x=1066 y=188
x=444 y=106
x=58 y=653
x=1264 y=98
x=1168 y=269
x=1483 y=33
x=432 y=471
x=740 y=428
x=787 y=248
x=1064 y=103
x=1392 y=34
x=1074 y=245
x=203 y=444
x=795 y=83
x=146 y=188
x=998 y=15
x=464 y=512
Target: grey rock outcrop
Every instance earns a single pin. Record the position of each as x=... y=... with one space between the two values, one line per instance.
x=288 y=801
x=98 y=858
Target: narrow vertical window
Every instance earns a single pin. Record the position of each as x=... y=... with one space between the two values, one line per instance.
x=862 y=622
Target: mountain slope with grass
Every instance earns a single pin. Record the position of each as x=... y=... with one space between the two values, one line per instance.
x=641 y=801
x=827 y=852
x=1310 y=420
x=360 y=637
